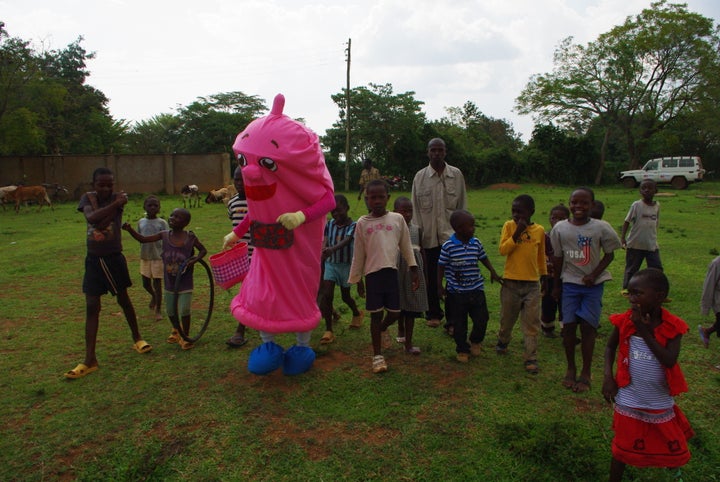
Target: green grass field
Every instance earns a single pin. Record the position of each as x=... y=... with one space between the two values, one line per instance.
x=199 y=414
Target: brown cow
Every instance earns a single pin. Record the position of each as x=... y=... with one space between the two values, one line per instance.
x=24 y=194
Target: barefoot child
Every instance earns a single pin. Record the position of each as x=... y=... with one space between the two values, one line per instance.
x=105 y=266
x=522 y=242
x=583 y=248
x=650 y=430
x=178 y=246
x=379 y=236
x=413 y=303
x=151 y=266
x=337 y=256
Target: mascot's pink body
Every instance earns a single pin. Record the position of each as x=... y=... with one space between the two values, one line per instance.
x=284 y=171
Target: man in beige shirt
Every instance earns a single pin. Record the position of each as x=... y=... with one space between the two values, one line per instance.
x=437 y=191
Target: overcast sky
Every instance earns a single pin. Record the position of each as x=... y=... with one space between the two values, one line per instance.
x=156 y=55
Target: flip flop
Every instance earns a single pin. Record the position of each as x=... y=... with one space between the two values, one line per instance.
x=80 y=371
x=236 y=341
x=141 y=346
x=413 y=350
x=703 y=337
x=581 y=386
x=400 y=339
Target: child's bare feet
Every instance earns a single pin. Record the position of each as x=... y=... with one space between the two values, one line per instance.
x=569 y=380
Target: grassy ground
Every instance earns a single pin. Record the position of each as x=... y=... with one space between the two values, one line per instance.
x=199 y=415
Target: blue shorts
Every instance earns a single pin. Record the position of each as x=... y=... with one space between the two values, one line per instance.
x=338 y=273
x=584 y=302
x=382 y=291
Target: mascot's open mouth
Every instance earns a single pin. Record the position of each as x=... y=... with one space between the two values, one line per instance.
x=260 y=193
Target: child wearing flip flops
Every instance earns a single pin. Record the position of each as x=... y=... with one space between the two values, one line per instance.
x=105 y=266
x=379 y=237
x=178 y=247
x=650 y=429
x=710 y=300
x=337 y=255
x=413 y=303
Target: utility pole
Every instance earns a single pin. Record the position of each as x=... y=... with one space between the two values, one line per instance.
x=347 y=121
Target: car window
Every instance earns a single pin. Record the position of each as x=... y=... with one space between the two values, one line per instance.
x=669 y=163
x=651 y=166
x=687 y=162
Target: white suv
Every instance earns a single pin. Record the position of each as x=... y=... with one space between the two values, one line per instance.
x=677 y=171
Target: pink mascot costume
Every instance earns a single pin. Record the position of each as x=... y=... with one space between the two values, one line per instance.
x=289 y=193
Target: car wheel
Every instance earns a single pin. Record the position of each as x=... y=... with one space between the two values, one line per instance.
x=629 y=182
x=679 y=182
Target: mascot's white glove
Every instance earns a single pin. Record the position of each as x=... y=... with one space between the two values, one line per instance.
x=291 y=220
x=229 y=240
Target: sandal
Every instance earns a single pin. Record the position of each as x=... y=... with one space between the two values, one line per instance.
x=186 y=345
x=80 y=371
x=174 y=337
x=141 y=346
x=582 y=385
x=400 y=339
x=378 y=364
x=357 y=321
x=236 y=341
x=703 y=336
x=328 y=337
x=414 y=350
x=568 y=382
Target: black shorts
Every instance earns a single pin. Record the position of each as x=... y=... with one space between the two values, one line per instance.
x=105 y=274
x=382 y=291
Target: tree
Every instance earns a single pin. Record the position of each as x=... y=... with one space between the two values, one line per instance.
x=634 y=80
x=210 y=124
x=45 y=105
x=379 y=121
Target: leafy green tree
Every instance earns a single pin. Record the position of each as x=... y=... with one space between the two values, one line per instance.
x=380 y=121
x=210 y=124
x=634 y=80
x=45 y=105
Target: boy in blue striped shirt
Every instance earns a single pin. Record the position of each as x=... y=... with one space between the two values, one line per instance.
x=464 y=291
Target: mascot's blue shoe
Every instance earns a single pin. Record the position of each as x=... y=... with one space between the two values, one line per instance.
x=266 y=358
x=298 y=359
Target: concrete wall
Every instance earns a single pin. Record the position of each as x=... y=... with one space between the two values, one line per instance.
x=133 y=173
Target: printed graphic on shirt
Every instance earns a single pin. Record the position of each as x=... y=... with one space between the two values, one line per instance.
x=378 y=227
x=581 y=256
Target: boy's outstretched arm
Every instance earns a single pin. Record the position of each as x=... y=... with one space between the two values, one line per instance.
x=493 y=274
x=139 y=237
x=609 y=387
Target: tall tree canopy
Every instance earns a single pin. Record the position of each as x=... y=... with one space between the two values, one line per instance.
x=635 y=79
x=379 y=119
x=45 y=105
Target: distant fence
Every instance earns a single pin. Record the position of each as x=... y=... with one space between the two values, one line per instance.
x=133 y=173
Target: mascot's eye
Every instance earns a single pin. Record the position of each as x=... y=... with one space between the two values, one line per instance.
x=242 y=162
x=268 y=164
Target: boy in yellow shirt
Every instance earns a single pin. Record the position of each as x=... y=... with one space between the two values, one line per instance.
x=523 y=243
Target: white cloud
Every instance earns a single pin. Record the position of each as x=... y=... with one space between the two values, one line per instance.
x=155 y=55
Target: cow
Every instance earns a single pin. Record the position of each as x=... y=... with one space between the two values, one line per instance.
x=223 y=194
x=190 y=193
x=24 y=194
x=6 y=194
